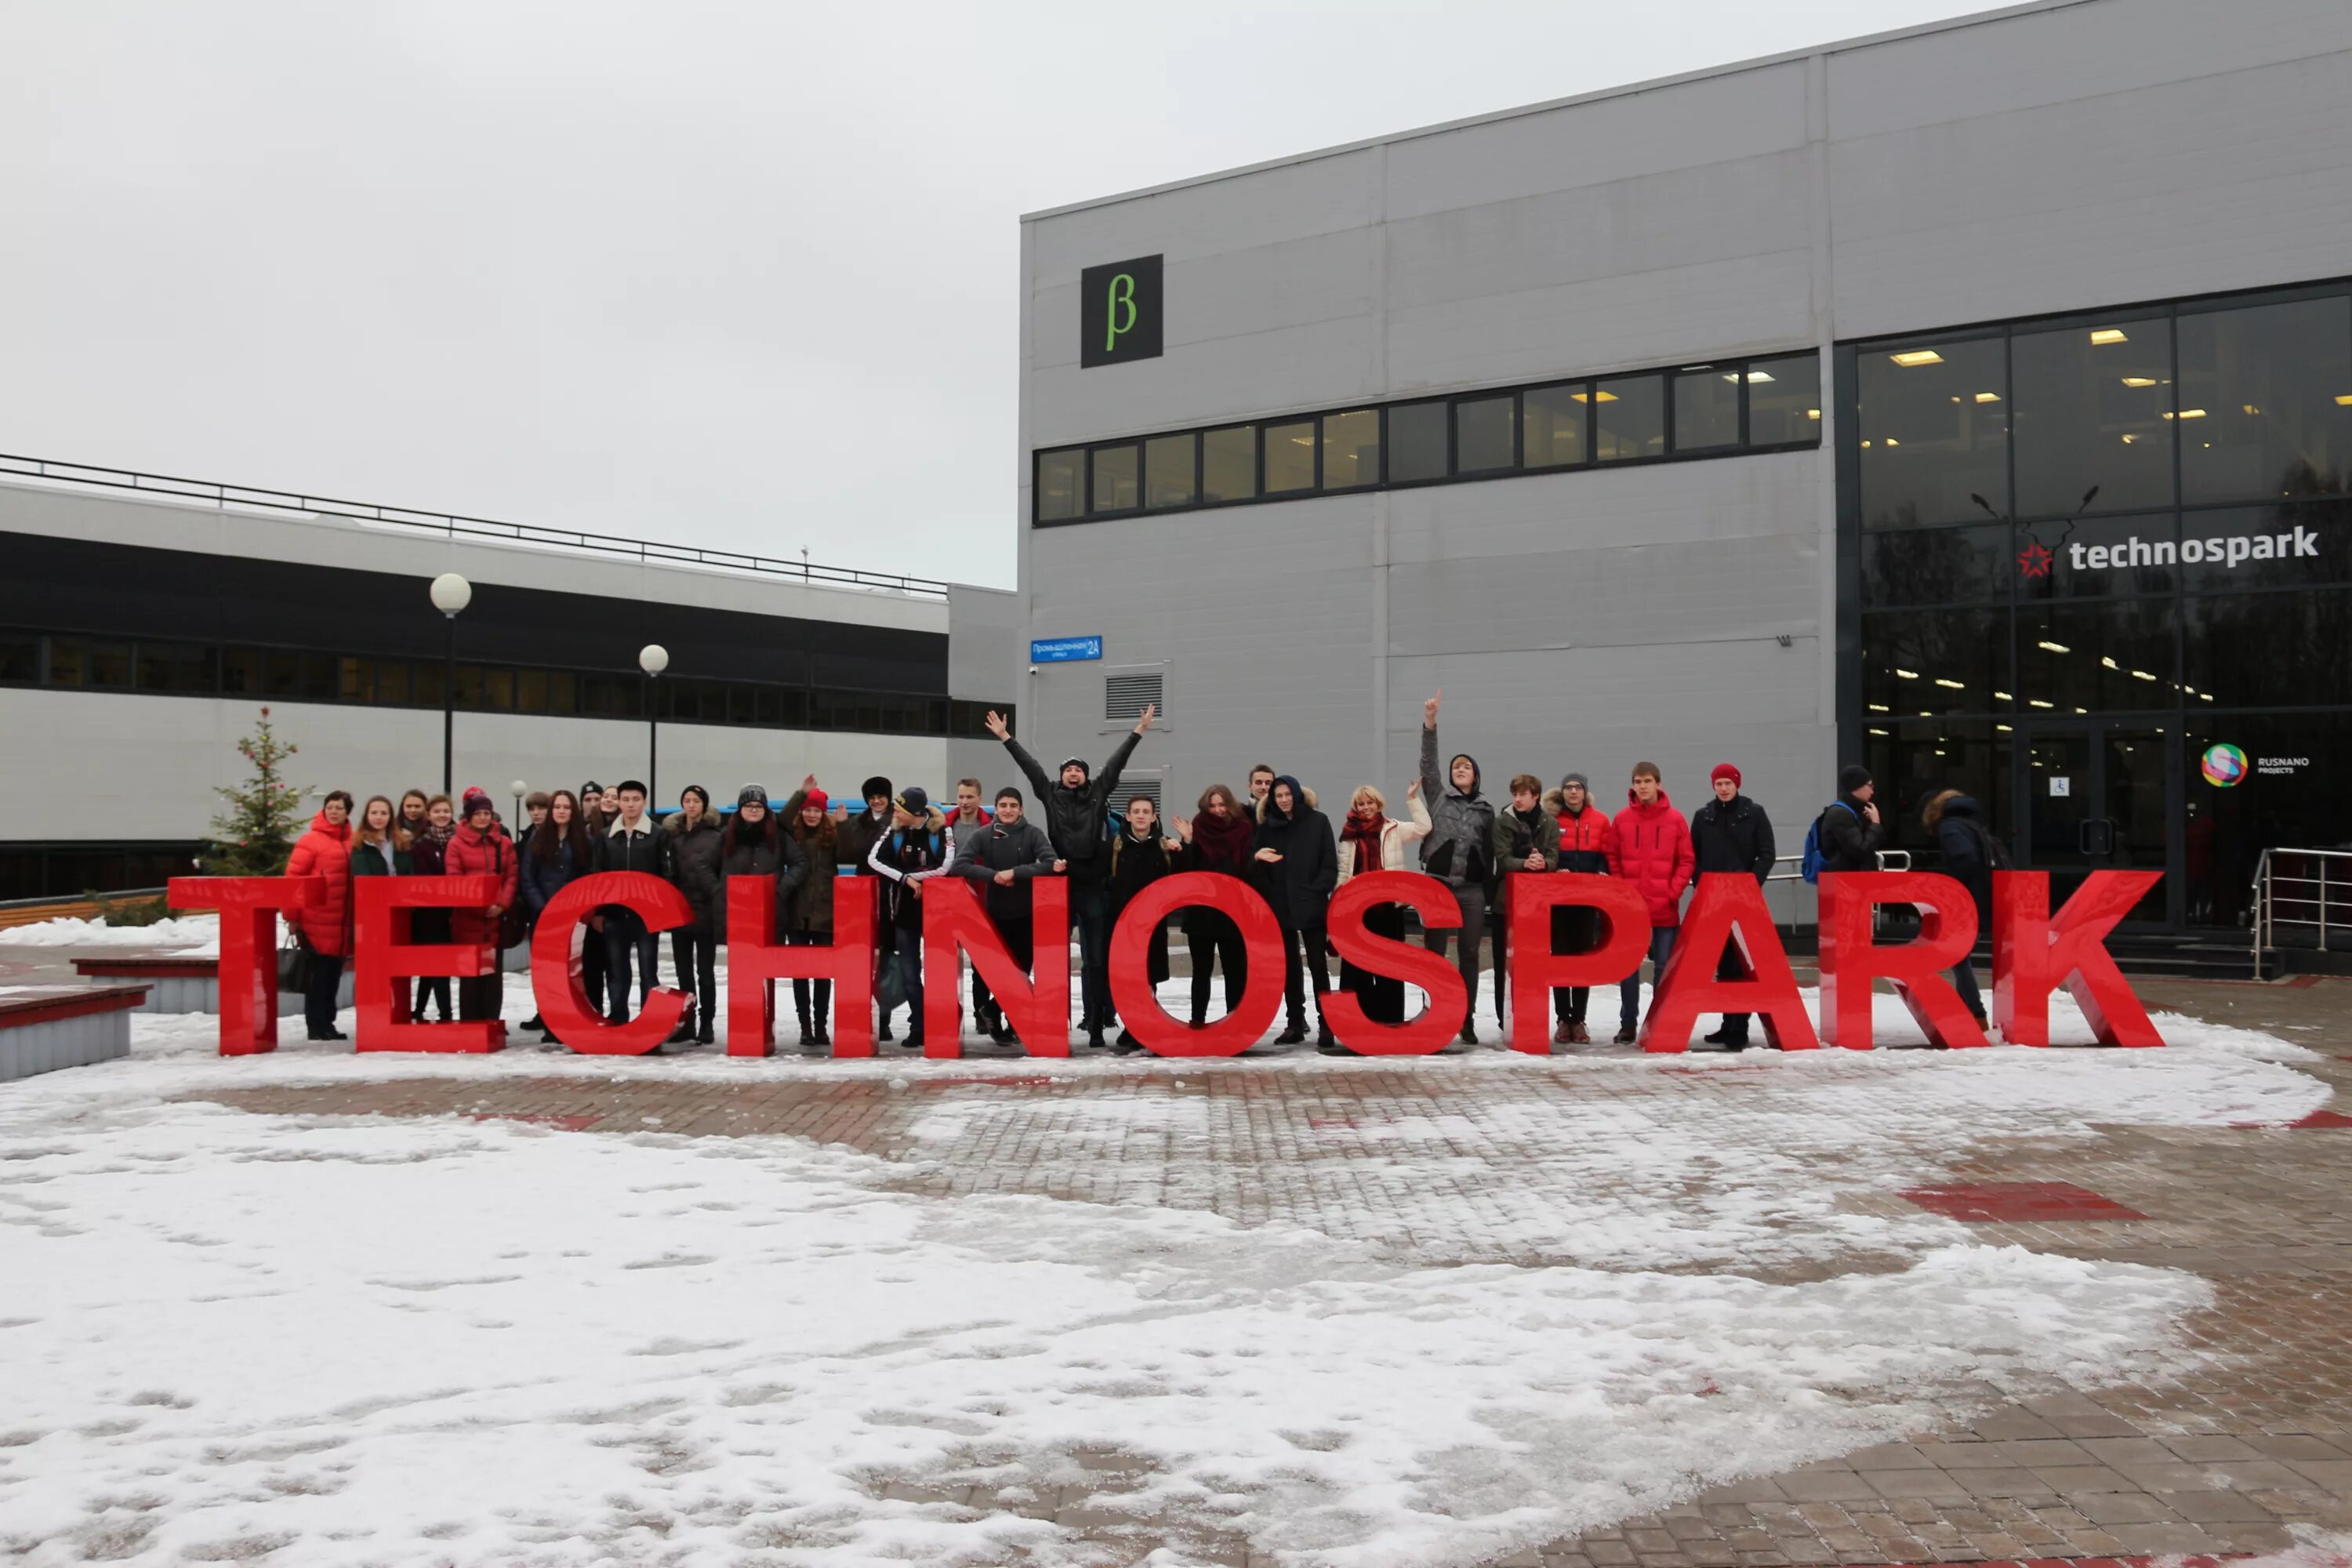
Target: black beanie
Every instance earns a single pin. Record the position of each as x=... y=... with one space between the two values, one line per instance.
x=1851 y=777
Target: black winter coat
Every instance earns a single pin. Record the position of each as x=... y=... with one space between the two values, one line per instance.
x=542 y=880
x=852 y=840
x=752 y=857
x=1966 y=858
x=1733 y=836
x=810 y=908
x=695 y=858
x=1020 y=848
x=1077 y=819
x=1850 y=841
x=1135 y=866
x=647 y=850
x=1298 y=885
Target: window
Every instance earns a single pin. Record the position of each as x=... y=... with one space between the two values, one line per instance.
x=428 y=683
x=1290 y=456
x=499 y=690
x=1707 y=409
x=1483 y=434
x=742 y=704
x=1934 y=423
x=1115 y=478
x=2096 y=656
x=1417 y=442
x=2266 y=547
x=562 y=692
x=768 y=706
x=2098 y=558
x=1229 y=464
x=1629 y=418
x=176 y=667
x=241 y=671
x=68 y=659
x=2266 y=401
x=1351 y=450
x=110 y=666
x=392 y=682
x=1910 y=762
x=357 y=680
x=2093 y=426
x=1168 y=471
x=530 y=692
x=1784 y=400
x=20 y=660
x=1936 y=566
x=2263 y=650
x=470 y=686
x=281 y=673
x=1916 y=662
x=1552 y=425
x=1060 y=481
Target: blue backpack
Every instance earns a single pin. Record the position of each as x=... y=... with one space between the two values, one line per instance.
x=1810 y=870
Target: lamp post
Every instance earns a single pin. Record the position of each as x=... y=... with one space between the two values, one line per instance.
x=520 y=789
x=451 y=595
x=653 y=658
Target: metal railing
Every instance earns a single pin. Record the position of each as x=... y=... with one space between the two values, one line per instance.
x=2310 y=895
x=457 y=525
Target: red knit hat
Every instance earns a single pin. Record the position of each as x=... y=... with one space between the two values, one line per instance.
x=1725 y=771
x=817 y=798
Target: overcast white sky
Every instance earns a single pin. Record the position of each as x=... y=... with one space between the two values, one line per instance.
x=741 y=275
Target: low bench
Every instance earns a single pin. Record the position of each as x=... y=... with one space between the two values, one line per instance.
x=180 y=983
x=44 y=1027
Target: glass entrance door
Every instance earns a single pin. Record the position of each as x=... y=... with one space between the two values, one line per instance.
x=2099 y=795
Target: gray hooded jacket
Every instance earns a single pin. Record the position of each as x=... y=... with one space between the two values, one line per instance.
x=1460 y=848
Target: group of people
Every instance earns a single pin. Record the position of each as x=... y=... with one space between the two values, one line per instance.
x=1276 y=838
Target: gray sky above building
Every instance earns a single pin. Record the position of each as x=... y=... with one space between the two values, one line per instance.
x=736 y=275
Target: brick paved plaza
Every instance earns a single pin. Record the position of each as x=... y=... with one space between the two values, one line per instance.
x=2245 y=1446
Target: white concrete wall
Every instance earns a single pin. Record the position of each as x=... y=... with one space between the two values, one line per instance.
x=120 y=766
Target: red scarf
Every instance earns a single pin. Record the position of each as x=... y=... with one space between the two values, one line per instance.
x=1223 y=845
x=1363 y=831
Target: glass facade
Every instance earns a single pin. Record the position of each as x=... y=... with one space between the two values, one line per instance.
x=2097 y=571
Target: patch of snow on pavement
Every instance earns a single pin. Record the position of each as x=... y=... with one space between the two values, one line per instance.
x=202 y=931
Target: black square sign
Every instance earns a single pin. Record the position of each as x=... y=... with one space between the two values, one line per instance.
x=1119 y=313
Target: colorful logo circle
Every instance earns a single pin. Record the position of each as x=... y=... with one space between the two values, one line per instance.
x=2224 y=765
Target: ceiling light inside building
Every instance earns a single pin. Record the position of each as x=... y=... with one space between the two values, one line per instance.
x=2250 y=409
x=2000 y=696
x=2129 y=440
x=2111 y=664
x=1954 y=685
x=1876 y=731
x=1878 y=708
x=1757 y=376
x=1596 y=397
x=2035 y=703
x=1816 y=413
x=2109 y=335
x=2139 y=381
x=2142 y=675
x=2055 y=646
x=2344 y=400
x=1907 y=673
x=2188 y=414
x=2002 y=728
x=1892 y=442
x=1916 y=357
x=1988 y=397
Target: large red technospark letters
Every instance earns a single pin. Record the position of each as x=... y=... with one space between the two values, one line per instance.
x=2034 y=951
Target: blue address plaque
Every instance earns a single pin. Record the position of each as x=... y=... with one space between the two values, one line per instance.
x=1064 y=650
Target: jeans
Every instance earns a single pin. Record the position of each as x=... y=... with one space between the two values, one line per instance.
x=319 y=1001
x=909 y=946
x=1575 y=928
x=626 y=936
x=824 y=1014
x=696 y=959
x=1302 y=947
x=1629 y=990
x=1472 y=902
x=1211 y=936
x=1090 y=914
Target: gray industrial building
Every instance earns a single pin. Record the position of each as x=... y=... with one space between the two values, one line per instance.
x=1974 y=400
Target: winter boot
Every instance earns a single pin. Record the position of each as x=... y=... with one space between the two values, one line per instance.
x=684 y=1033
x=1294 y=1033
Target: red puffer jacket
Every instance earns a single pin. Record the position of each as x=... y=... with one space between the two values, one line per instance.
x=472 y=854
x=1651 y=846
x=1584 y=837
x=325 y=852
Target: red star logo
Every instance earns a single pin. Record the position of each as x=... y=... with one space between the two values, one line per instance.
x=2033 y=561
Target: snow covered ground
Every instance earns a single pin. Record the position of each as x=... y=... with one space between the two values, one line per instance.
x=193 y=932
x=440 y=1341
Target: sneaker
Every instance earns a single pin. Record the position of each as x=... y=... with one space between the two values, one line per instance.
x=1577 y=1037
x=817 y=1036
x=1564 y=1035
x=1625 y=1035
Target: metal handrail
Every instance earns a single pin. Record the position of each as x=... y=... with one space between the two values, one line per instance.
x=2267 y=898
x=457 y=523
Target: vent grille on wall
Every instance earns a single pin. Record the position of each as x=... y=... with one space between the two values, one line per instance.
x=1125 y=696
x=1150 y=781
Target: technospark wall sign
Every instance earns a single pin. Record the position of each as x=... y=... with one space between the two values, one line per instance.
x=1119 y=313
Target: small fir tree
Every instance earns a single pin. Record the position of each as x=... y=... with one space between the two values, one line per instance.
x=254 y=835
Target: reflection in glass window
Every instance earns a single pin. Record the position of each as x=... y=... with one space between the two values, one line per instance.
x=1290 y=456
x=1168 y=471
x=1707 y=409
x=1417 y=442
x=241 y=671
x=175 y=667
x=1552 y=425
x=1933 y=422
x=1629 y=418
x=2091 y=424
x=1115 y=479
x=392 y=683
x=1917 y=662
x=1784 y=400
x=1229 y=464
x=1910 y=762
x=67 y=658
x=1060 y=482
x=110 y=665
x=2265 y=547
x=2258 y=651
x=1483 y=434
x=1351 y=450
x=530 y=692
x=2266 y=401
x=1937 y=567
x=357 y=680
x=2096 y=656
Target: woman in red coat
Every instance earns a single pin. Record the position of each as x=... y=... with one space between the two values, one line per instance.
x=325 y=927
x=1650 y=845
x=481 y=848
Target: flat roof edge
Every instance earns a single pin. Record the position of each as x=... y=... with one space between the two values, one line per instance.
x=1629 y=90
